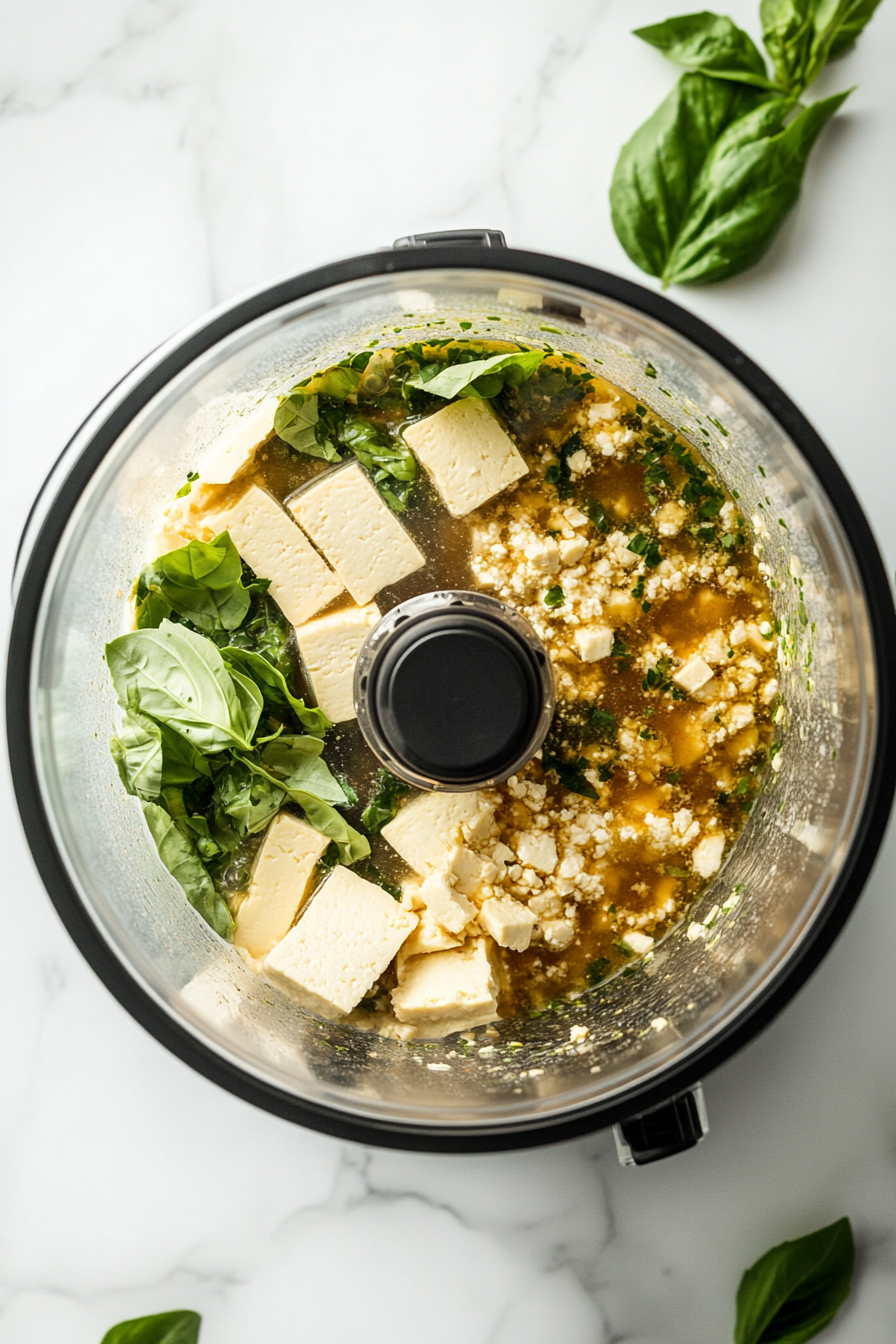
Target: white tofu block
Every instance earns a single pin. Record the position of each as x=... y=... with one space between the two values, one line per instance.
x=467 y=452
x=235 y=448
x=468 y=871
x=447 y=991
x=639 y=943
x=279 y=884
x=356 y=530
x=695 y=673
x=536 y=849
x=341 y=945
x=426 y=829
x=707 y=856
x=508 y=921
x=329 y=647
x=448 y=907
x=268 y=540
x=593 y=642
x=429 y=936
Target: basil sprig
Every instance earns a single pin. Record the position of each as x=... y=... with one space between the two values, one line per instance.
x=169 y=1327
x=796 y=1289
x=202 y=582
x=701 y=189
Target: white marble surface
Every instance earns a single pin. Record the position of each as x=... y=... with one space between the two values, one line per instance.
x=159 y=156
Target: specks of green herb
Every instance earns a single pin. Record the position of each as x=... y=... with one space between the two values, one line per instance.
x=465 y=326
x=649 y=370
x=547 y=326
x=185 y=489
x=597 y=970
x=674 y=776
x=647 y=547
x=554 y=597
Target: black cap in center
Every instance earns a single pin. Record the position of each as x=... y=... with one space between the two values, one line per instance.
x=453 y=690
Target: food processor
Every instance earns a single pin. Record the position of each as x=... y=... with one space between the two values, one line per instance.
x=629 y=1052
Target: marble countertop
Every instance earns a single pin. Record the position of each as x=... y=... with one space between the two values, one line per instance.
x=159 y=156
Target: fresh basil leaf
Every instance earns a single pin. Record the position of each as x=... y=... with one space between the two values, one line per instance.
x=137 y=751
x=182 y=680
x=184 y=864
x=750 y=181
x=321 y=815
x=298 y=761
x=383 y=804
x=182 y=763
x=387 y=461
x=788 y=31
x=851 y=17
x=295 y=422
x=710 y=43
x=658 y=169
x=202 y=582
x=169 y=1327
x=797 y=1288
x=463 y=380
x=250 y=800
x=273 y=687
x=571 y=774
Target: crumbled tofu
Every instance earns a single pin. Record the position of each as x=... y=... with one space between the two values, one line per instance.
x=558 y=933
x=427 y=828
x=707 y=855
x=448 y=991
x=537 y=850
x=769 y=691
x=670 y=519
x=236 y=446
x=695 y=673
x=578 y=462
x=578 y=1034
x=447 y=905
x=279 y=884
x=341 y=945
x=572 y=551
x=639 y=943
x=593 y=642
x=348 y=520
x=508 y=921
x=468 y=454
x=544 y=555
x=329 y=647
x=575 y=517
x=268 y=540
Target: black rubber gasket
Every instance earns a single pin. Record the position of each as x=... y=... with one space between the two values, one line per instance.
x=431 y=1138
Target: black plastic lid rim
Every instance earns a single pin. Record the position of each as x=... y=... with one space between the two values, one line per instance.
x=69 y=480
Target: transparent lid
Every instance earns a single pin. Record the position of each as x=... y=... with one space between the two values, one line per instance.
x=708 y=972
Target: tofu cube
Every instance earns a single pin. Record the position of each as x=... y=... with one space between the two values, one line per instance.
x=572 y=551
x=429 y=936
x=279 y=884
x=707 y=856
x=428 y=827
x=695 y=674
x=508 y=921
x=341 y=945
x=447 y=991
x=536 y=849
x=268 y=540
x=558 y=933
x=639 y=943
x=467 y=452
x=449 y=907
x=593 y=642
x=235 y=447
x=356 y=530
x=329 y=647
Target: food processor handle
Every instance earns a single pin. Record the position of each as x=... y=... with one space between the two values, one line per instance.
x=664 y=1130
x=484 y=237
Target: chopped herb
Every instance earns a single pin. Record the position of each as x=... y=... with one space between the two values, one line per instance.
x=383 y=803
x=647 y=547
x=597 y=970
x=649 y=370
x=554 y=597
x=185 y=489
x=571 y=774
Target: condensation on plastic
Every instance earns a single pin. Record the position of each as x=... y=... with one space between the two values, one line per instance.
x=780 y=871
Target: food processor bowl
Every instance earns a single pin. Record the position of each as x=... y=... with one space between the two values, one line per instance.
x=763 y=923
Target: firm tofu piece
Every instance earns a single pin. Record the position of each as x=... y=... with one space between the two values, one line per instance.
x=449 y=907
x=467 y=452
x=427 y=829
x=639 y=943
x=357 y=532
x=279 y=884
x=236 y=446
x=468 y=871
x=536 y=849
x=268 y=540
x=508 y=921
x=341 y=945
x=329 y=647
x=707 y=856
x=695 y=674
x=447 y=991
x=429 y=936
x=594 y=642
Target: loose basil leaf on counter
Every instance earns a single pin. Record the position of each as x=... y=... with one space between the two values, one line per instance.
x=169 y=1327
x=478 y=377
x=387 y=461
x=272 y=684
x=712 y=44
x=383 y=804
x=181 y=679
x=179 y=856
x=797 y=1288
x=801 y=36
x=848 y=20
x=750 y=180
x=202 y=582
